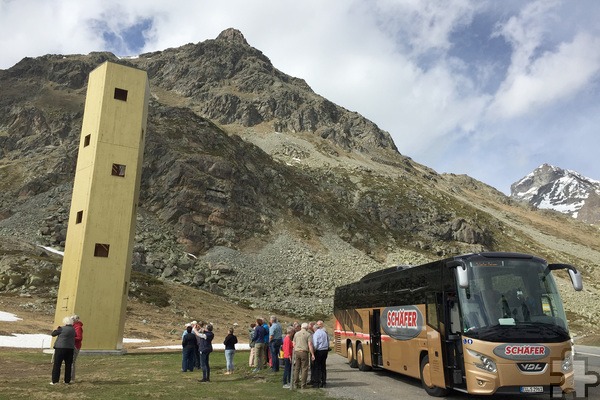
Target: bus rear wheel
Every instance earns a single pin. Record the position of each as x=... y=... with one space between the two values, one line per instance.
x=429 y=387
x=360 y=359
x=350 y=356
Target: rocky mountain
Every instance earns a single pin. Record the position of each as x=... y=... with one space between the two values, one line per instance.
x=552 y=188
x=254 y=187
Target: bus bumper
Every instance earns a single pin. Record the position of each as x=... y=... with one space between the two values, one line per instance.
x=508 y=379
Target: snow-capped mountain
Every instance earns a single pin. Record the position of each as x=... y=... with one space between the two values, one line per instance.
x=566 y=191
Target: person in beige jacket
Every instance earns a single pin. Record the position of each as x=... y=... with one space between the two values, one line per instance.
x=303 y=352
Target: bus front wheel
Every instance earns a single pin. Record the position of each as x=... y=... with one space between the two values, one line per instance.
x=350 y=357
x=429 y=387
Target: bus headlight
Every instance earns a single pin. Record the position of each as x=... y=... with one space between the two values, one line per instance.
x=567 y=363
x=487 y=363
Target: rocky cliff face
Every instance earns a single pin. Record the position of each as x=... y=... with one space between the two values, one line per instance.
x=565 y=191
x=249 y=178
x=228 y=81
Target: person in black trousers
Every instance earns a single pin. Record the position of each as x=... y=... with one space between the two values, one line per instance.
x=321 y=345
x=64 y=347
x=205 y=346
x=189 y=345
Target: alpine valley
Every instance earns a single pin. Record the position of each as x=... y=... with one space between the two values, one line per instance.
x=257 y=189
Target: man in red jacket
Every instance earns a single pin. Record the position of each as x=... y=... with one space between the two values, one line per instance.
x=78 y=325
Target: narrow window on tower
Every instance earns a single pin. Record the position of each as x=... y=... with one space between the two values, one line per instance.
x=79 y=217
x=86 y=140
x=120 y=94
x=101 y=250
x=118 y=170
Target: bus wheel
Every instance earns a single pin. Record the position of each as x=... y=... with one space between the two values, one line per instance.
x=360 y=359
x=350 y=357
x=426 y=380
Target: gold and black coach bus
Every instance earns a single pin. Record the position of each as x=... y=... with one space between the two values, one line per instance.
x=479 y=323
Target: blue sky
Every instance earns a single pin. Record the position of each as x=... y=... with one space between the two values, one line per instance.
x=491 y=89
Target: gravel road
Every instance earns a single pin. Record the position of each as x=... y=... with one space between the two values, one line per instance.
x=344 y=382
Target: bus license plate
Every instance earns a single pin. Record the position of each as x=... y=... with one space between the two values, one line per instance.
x=532 y=389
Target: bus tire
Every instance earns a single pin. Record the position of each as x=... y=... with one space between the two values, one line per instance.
x=425 y=380
x=350 y=356
x=360 y=358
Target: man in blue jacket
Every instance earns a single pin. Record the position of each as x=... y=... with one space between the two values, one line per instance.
x=261 y=336
x=275 y=342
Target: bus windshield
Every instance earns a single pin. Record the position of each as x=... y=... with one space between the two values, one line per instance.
x=512 y=299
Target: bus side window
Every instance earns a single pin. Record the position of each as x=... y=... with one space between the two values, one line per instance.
x=432 y=313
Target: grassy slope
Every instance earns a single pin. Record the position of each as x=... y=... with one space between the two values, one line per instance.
x=26 y=375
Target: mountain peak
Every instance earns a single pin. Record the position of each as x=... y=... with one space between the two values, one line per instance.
x=566 y=191
x=232 y=35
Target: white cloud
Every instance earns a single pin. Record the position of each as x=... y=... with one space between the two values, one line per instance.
x=36 y=27
x=424 y=25
x=394 y=61
x=526 y=30
x=544 y=68
x=553 y=76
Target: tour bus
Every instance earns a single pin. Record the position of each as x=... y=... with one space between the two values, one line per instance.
x=481 y=323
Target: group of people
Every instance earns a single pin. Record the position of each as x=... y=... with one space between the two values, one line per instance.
x=305 y=347
x=69 y=337
x=197 y=346
x=266 y=338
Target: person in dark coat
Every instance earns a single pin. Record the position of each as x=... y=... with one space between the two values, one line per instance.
x=205 y=338
x=63 y=350
x=229 y=342
x=189 y=348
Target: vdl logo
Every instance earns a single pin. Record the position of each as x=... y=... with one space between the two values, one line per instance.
x=533 y=367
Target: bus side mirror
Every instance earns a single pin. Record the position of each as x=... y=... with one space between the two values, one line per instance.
x=463 y=277
x=575 y=276
x=576 y=279
x=461 y=273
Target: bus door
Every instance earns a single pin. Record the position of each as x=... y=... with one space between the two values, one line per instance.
x=454 y=355
x=375 y=332
x=435 y=345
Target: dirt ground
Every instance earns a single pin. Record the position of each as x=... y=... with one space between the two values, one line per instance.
x=161 y=326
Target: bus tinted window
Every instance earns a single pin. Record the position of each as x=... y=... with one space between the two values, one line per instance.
x=511 y=292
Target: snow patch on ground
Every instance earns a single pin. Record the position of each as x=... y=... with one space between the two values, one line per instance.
x=38 y=340
x=42 y=341
x=8 y=317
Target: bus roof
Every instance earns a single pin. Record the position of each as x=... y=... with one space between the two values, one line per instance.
x=385 y=271
x=498 y=254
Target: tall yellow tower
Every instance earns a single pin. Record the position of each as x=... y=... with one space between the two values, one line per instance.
x=97 y=262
